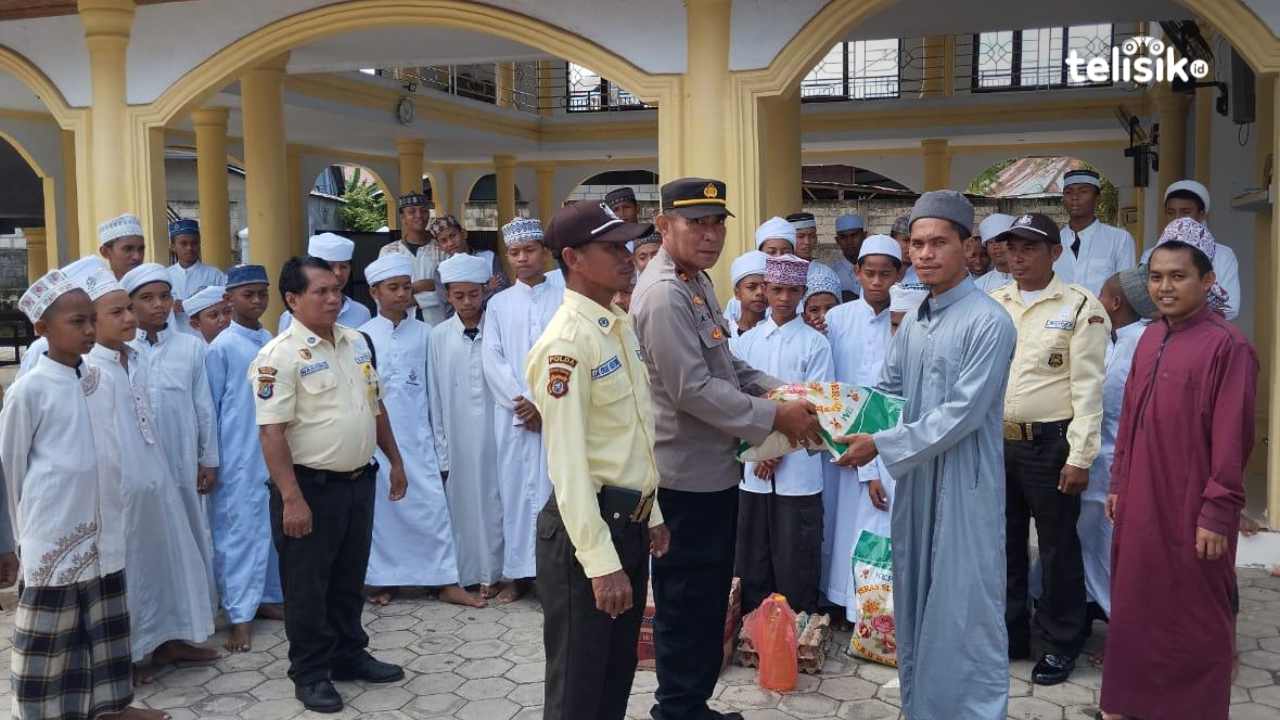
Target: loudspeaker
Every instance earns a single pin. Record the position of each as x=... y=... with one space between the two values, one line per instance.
x=1243 y=96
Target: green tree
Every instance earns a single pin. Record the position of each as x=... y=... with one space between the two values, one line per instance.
x=365 y=208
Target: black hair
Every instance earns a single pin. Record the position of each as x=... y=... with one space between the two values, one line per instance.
x=293 y=276
x=897 y=264
x=1202 y=262
x=1186 y=195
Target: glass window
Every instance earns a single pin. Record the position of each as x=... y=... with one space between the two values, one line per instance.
x=858 y=70
x=1034 y=58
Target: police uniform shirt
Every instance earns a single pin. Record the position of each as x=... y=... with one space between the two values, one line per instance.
x=326 y=394
x=1059 y=364
x=587 y=378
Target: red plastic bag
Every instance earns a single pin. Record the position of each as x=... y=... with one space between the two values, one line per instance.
x=772 y=628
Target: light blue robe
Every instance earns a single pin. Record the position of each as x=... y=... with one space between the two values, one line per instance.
x=950 y=361
x=245 y=563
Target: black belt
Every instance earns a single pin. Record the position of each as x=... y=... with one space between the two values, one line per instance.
x=620 y=506
x=327 y=475
x=1028 y=432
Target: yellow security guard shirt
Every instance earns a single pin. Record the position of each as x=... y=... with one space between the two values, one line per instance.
x=588 y=380
x=327 y=394
x=1059 y=364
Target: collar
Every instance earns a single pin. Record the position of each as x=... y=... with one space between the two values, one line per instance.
x=1085 y=229
x=1201 y=316
x=532 y=288
x=933 y=304
x=871 y=312
x=1133 y=329
x=309 y=338
x=596 y=315
x=105 y=353
x=461 y=329
x=57 y=369
x=162 y=335
x=1054 y=289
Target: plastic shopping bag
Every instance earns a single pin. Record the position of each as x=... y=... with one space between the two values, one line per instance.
x=772 y=628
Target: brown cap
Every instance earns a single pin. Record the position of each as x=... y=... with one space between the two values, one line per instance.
x=1033 y=226
x=587 y=222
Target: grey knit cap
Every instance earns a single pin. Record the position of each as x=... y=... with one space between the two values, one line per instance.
x=945 y=205
x=1133 y=283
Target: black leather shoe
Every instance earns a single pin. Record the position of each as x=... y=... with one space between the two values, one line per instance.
x=1053 y=669
x=713 y=715
x=369 y=670
x=319 y=696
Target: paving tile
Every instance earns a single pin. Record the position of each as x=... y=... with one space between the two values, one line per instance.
x=482 y=631
x=235 y=682
x=387 y=698
x=1064 y=694
x=273 y=689
x=1269 y=695
x=272 y=710
x=482 y=649
x=749 y=696
x=1261 y=659
x=529 y=695
x=1252 y=711
x=867 y=710
x=435 y=663
x=223 y=704
x=434 y=683
x=390 y=624
x=485 y=688
x=809 y=705
x=848 y=688
x=433 y=706
x=529 y=672
x=495 y=709
x=1030 y=708
x=484 y=668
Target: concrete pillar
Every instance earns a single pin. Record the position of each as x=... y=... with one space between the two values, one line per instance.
x=780 y=155
x=1268 y=226
x=266 y=172
x=1205 y=98
x=937 y=164
x=504 y=175
x=37 y=253
x=410 y=152
x=211 y=185
x=158 y=237
x=71 y=201
x=505 y=84
x=444 y=195
x=1171 y=109
x=107 y=26
x=547 y=201
x=299 y=193
x=934 y=80
x=706 y=89
x=548 y=99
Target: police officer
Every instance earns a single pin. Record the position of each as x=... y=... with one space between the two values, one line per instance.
x=1052 y=433
x=704 y=401
x=597 y=530
x=319 y=412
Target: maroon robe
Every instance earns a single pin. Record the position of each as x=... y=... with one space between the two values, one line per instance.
x=1186 y=429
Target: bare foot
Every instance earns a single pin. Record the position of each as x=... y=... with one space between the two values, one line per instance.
x=511 y=593
x=271 y=611
x=381 y=595
x=240 y=638
x=180 y=651
x=133 y=713
x=458 y=596
x=144 y=674
x=1110 y=716
x=488 y=592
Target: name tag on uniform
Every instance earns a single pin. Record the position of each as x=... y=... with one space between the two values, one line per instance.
x=610 y=366
x=314 y=367
x=363 y=357
x=1060 y=325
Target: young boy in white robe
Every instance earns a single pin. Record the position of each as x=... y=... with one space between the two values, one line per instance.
x=747 y=275
x=181 y=402
x=775 y=236
x=513 y=322
x=779 y=546
x=462 y=411
x=420 y=520
x=208 y=312
x=859 y=335
x=170 y=600
x=337 y=251
x=71 y=636
x=245 y=565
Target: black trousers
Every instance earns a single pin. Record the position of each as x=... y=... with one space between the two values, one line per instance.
x=691 y=591
x=779 y=549
x=322 y=574
x=1032 y=470
x=591 y=659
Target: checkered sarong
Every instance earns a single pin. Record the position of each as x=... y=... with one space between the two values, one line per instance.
x=71 y=651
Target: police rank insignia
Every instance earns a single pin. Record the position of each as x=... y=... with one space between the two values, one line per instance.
x=604 y=322
x=710 y=191
x=562 y=360
x=304 y=353
x=558 y=382
x=717 y=333
x=1055 y=360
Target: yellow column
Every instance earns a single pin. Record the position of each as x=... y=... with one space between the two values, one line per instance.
x=71 y=218
x=702 y=145
x=444 y=195
x=546 y=173
x=158 y=237
x=934 y=67
x=211 y=185
x=505 y=84
x=37 y=253
x=1204 y=133
x=547 y=99
x=410 y=151
x=1268 y=232
x=266 y=172
x=299 y=192
x=780 y=155
x=937 y=164
x=1171 y=109
x=107 y=25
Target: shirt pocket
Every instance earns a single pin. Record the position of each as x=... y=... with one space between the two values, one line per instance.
x=319 y=382
x=608 y=395
x=715 y=348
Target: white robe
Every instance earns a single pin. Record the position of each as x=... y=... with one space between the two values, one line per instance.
x=848 y=274
x=186 y=425
x=425 y=263
x=245 y=563
x=859 y=340
x=462 y=421
x=189 y=281
x=413 y=537
x=353 y=314
x=513 y=322
x=1104 y=251
x=170 y=597
x=1093 y=526
x=38 y=347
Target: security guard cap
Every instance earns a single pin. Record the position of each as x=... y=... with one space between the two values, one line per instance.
x=695 y=198
x=587 y=222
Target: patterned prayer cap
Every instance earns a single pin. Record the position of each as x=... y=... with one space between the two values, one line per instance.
x=185 y=226
x=43 y=293
x=100 y=282
x=1186 y=230
x=617 y=196
x=412 y=199
x=822 y=279
x=905 y=299
x=901 y=225
x=522 y=231
x=443 y=223
x=124 y=225
x=786 y=270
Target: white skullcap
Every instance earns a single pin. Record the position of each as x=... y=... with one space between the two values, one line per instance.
x=118 y=227
x=1193 y=187
x=203 y=300
x=464 y=268
x=330 y=247
x=143 y=274
x=388 y=266
x=43 y=293
x=775 y=227
x=881 y=245
x=992 y=225
x=748 y=263
x=902 y=299
x=83 y=268
x=522 y=231
x=100 y=282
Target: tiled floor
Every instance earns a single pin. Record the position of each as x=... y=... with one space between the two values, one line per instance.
x=488 y=665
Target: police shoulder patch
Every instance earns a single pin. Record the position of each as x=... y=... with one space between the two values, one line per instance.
x=266 y=370
x=558 y=382
x=561 y=360
x=266 y=390
x=1096 y=320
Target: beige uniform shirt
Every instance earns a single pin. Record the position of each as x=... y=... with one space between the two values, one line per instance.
x=326 y=394
x=586 y=376
x=1059 y=364
x=704 y=398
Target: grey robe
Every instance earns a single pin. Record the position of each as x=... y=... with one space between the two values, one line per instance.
x=950 y=361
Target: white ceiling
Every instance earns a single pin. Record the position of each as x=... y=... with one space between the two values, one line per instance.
x=406 y=46
x=916 y=18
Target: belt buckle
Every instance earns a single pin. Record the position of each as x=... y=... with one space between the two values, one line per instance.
x=641 y=513
x=1012 y=431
